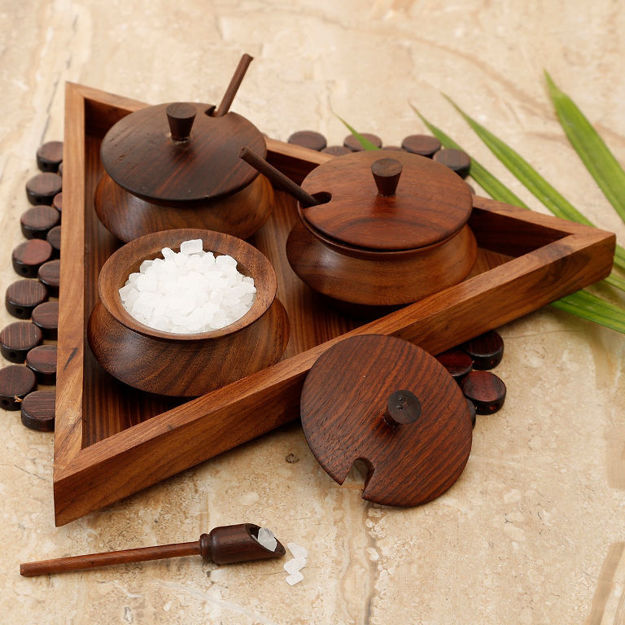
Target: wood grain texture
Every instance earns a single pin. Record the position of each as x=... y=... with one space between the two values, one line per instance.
x=27 y=257
x=41 y=360
x=18 y=338
x=41 y=188
x=36 y=221
x=125 y=441
x=486 y=390
x=343 y=404
x=22 y=296
x=37 y=411
x=16 y=382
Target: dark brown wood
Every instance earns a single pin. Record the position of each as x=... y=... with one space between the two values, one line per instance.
x=429 y=206
x=18 y=338
x=457 y=160
x=186 y=364
x=49 y=275
x=472 y=412
x=42 y=188
x=457 y=362
x=354 y=145
x=22 y=296
x=57 y=202
x=223 y=545
x=27 y=257
x=233 y=86
x=42 y=361
x=140 y=156
x=343 y=405
x=16 y=382
x=60 y=171
x=49 y=156
x=277 y=178
x=37 y=221
x=112 y=441
x=485 y=350
x=336 y=150
x=54 y=239
x=386 y=173
x=423 y=145
x=485 y=390
x=392 y=148
x=38 y=411
x=46 y=318
x=309 y=139
x=402 y=407
x=180 y=116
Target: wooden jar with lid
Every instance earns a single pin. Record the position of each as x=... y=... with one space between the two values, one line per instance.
x=386 y=231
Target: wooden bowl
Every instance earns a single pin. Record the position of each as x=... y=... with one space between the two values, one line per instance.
x=186 y=365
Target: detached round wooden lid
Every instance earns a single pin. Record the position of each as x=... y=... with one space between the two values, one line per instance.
x=180 y=153
x=387 y=204
x=386 y=401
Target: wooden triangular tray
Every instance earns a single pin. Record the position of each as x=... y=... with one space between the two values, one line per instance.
x=112 y=441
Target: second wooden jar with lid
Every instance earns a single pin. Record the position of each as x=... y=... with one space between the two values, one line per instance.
x=386 y=231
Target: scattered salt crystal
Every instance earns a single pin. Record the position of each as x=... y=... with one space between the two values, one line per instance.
x=294 y=579
x=294 y=565
x=298 y=551
x=298 y=562
x=188 y=292
x=266 y=539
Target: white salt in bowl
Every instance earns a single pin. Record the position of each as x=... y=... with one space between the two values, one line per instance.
x=186 y=365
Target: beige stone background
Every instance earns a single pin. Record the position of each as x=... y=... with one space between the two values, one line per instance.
x=533 y=531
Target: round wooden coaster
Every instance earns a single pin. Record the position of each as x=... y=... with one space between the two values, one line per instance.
x=457 y=362
x=351 y=407
x=50 y=155
x=486 y=350
x=15 y=383
x=354 y=145
x=472 y=412
x=27 y=257
x=485 y=390
x=336 y=150
x=308 y=139
x=54 y=239
x=38 y=411
x=46 y=318
x=424 y=145
x=37 y=221
x=42 y=188
x=57 y=202
x=49 y=273
x=17 y=339
x=41 y=360
x=456 y=160
x=22 y=296
x=392 y=148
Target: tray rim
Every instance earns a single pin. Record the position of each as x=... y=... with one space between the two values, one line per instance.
x=89 y=478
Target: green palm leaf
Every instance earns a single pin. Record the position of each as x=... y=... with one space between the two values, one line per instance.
x=366 y=144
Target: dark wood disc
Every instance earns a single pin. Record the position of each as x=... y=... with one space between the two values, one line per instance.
x=54 y=239
x=430 y=203
x=38 y=411
x=423 y=145
x=485 y=390
x=336 y=150
x=57 y=202
x=37 y=221
x=27 y=257
x=50 y=155
x=42 y=361
x=472 y=412
x=354 y=145
x=42 y=188
x=140 y=155
x=46 y=318
x=22 y=296
x=343 y=408
x=308 y=139
x=457 y=160
x=457 y=362
x=17 y=339
x=49 y=274
x=16 y=382
x=485 y=350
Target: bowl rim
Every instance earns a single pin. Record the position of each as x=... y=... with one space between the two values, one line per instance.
x=128 y=257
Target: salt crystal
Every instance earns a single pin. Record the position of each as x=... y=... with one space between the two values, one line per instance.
x=266 y=538
x=143 y=267
x=294 y=565
x=194 y=246
x=167 y=252
x=294 y=579
x=298 y=551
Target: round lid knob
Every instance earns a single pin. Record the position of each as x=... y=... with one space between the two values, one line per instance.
x=387 y=204
x=180 y=153
x=386 y=401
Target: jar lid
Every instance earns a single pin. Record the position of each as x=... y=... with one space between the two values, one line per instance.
x=389 y=403
x=180 y=153
x=386 y=204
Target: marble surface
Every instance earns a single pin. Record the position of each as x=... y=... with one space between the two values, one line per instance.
x=532 y=532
